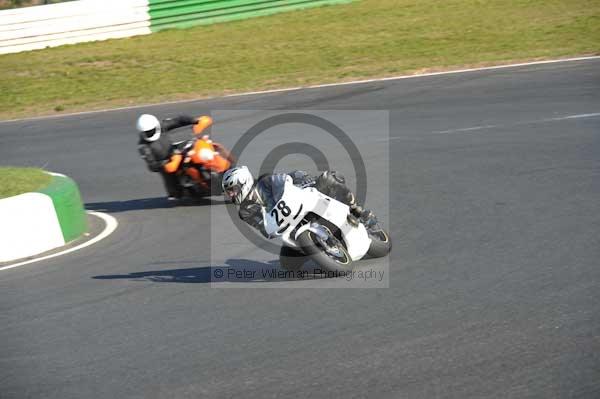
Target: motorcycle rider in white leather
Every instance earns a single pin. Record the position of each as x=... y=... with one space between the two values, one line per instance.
x=256 y=196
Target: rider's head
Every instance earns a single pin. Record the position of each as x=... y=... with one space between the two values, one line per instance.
x=237 y=184
x=149 y=127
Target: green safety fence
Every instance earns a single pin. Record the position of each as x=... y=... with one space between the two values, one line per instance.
x=167 y=14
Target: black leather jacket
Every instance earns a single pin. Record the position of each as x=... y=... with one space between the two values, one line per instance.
x=156 y=153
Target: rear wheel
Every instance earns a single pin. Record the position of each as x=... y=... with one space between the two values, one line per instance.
x=325 y=250
x=216 y=180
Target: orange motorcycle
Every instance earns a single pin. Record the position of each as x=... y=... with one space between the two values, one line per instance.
x=199 y=163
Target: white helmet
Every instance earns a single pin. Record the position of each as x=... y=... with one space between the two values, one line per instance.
x=237 y=184
x=149 y=127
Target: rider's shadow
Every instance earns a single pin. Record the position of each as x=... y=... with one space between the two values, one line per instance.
x=234 y=271
x=150 y=203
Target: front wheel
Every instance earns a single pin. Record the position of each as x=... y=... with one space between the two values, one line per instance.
x=325 y=250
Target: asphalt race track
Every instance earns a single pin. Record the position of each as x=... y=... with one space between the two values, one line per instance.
x=494 y=280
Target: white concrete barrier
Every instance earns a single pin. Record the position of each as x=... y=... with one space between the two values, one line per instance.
x=52 y=25
x=29 y=226
x=36 y=222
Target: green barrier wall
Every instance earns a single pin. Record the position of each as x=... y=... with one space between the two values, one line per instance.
x=166 y=14
x=68 y=205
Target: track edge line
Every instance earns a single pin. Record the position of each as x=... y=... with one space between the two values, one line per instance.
x=250 y=93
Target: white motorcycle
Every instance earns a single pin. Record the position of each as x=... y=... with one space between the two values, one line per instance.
x=315 y=226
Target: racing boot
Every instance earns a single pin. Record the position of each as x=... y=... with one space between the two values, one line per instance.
x=358 y=214
x=364 y=216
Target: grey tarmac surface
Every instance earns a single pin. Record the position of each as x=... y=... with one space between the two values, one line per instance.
x=494 y=278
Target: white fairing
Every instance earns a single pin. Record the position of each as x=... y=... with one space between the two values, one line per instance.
x=301 y=201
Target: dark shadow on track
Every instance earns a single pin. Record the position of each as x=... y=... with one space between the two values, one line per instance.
x=235 y=271
x=149 y=203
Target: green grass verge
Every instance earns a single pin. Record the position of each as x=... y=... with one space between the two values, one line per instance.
x=330 y=44
x=15 y=181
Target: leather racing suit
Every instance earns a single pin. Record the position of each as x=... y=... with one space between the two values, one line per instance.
x=268 y=190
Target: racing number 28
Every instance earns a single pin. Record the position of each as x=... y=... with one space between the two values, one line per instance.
x=284 y=209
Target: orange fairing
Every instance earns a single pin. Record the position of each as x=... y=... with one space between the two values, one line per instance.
x=220 y=164
x=173 y=164
x=193 y=172
x=203 y=123
x=204 y=154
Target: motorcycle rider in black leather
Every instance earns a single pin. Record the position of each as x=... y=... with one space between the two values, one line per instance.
x=156 y=147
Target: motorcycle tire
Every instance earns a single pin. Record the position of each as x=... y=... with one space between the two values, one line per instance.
x=381 y=244
x=307 y=242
